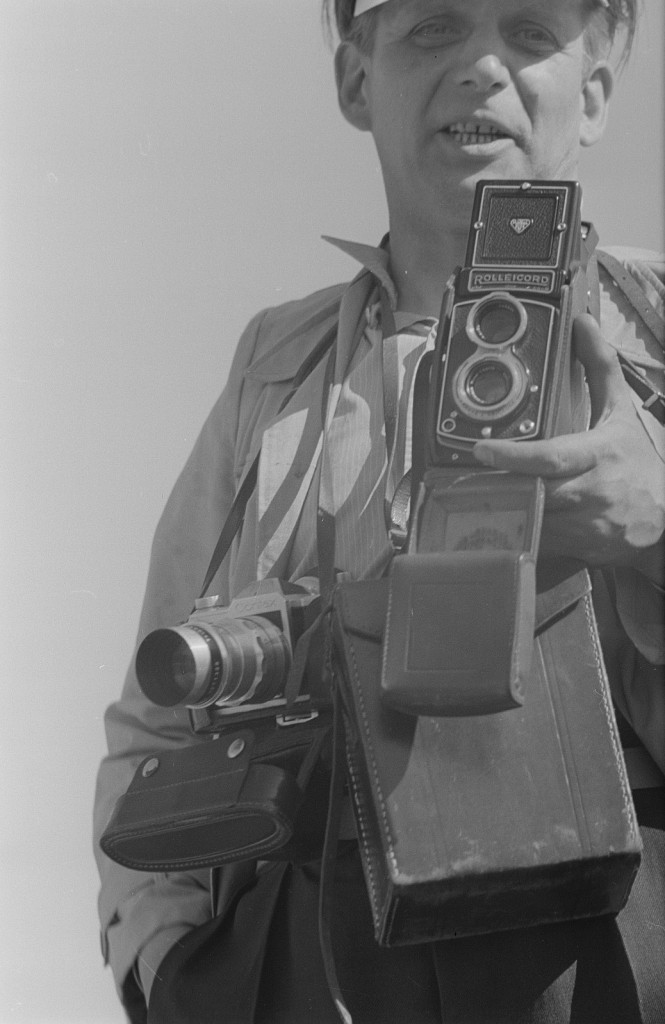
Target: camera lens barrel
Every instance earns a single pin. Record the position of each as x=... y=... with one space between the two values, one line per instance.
x=488 y=388
x=489 y=383
x=201 y=662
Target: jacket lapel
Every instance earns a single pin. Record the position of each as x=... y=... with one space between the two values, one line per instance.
x=291 y=442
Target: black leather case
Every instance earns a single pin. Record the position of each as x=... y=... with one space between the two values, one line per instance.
x=255 y=792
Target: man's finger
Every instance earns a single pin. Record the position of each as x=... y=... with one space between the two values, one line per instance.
x=601 y=365
x=568 y=455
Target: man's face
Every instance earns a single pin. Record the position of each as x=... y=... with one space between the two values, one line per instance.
x=458 y=90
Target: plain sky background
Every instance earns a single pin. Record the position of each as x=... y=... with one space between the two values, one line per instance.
x=167 y=168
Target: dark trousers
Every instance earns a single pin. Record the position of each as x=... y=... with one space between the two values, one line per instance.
x=260 y=963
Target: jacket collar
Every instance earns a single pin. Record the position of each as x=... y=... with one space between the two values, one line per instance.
x=374 y=259
x=290 y=348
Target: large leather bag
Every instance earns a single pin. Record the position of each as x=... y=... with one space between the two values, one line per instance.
x=488 y=822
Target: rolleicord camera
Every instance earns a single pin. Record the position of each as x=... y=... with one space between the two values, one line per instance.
x=256 y=787
x=503 y=366
x=488 y=788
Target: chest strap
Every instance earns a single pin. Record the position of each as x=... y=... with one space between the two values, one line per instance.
x=651 y=398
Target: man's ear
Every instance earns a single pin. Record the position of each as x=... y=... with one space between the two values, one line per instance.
x=595 y=99
x=350 y=75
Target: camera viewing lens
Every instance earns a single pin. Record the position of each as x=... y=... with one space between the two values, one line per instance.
x=489 y=383
x=497 y=319
x=497 y=323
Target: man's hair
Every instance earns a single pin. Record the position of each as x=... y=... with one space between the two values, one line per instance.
x=609 y=18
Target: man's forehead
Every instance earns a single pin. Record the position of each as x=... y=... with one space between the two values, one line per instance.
x=362 y=6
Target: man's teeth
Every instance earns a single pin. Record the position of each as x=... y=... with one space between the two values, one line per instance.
x=467 y=133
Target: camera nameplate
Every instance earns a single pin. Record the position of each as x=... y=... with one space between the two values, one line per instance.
x=544 y=282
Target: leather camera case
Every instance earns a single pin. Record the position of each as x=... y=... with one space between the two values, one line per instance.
x=254 y=792
x=488 y=822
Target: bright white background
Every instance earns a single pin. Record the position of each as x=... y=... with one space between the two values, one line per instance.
x=167 y=168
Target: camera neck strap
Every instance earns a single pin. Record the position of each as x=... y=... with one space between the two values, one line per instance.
x=627 y=284
x=236 y=515
x=652 y=399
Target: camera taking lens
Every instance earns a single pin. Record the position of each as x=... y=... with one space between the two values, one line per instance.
x=489 y=383
x=226 y=663
x=227 y=655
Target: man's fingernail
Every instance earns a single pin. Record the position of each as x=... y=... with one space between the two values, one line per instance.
x=484 y=455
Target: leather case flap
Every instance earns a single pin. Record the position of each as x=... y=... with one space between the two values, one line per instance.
x=163 y=779
x=459 y=632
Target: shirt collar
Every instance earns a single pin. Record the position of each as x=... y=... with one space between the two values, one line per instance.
x=376 y=259
x=373 y=258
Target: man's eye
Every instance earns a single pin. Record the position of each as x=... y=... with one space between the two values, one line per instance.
x=436 y=32
x=535 y=38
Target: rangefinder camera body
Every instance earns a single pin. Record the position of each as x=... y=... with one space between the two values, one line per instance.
x=502 y=365
x=229 y=659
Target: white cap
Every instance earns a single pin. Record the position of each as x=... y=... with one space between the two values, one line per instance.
x=366 y=5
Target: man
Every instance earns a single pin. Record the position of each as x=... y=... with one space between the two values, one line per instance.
x=452 y=91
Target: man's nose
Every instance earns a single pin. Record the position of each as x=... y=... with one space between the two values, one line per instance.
x=482 y=70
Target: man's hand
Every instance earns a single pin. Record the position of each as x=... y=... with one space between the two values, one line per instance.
x=605 y=488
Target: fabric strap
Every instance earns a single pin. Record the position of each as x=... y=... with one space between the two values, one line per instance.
x=236 y=515
x=652 y=399
x=625 y=281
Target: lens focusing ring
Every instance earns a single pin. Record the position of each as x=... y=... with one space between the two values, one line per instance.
x=466 y=394
x=210 y=680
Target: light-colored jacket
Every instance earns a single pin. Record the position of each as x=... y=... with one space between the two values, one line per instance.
x=136 y=907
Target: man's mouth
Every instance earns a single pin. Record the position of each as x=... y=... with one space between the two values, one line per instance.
x=469 y=133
